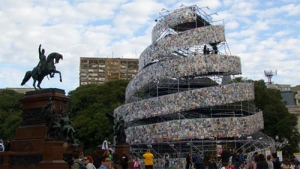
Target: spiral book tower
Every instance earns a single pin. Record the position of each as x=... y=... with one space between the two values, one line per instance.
x=182 y=98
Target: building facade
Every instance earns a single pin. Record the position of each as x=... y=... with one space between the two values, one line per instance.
x=18 y=90
x=101 y=70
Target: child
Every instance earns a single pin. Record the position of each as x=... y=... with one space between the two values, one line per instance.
x=136 y=164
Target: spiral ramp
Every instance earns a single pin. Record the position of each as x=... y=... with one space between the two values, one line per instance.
x=181 y=99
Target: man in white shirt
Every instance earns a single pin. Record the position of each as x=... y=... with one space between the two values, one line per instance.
x=105 y=144
x=1 y=146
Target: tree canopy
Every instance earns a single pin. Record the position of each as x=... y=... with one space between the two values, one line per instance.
x=10 y=113
x=90 y=103
x=277 y=119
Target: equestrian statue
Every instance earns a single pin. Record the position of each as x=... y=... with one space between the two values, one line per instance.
x=44 y=68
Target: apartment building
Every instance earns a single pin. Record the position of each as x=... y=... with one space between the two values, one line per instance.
x=100 y=70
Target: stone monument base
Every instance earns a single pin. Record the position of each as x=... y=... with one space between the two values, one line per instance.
x=31 y=148
x=119 y=151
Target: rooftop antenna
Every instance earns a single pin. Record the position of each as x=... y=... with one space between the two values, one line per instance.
x=269 y=74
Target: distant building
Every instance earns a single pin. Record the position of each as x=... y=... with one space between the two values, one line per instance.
x=100 y=70
x=19 y=90
x=281 y=87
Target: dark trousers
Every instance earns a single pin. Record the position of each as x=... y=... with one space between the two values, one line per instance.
x=124 y=166
x=166 y=165
x=148 y=166
x=199 y=166
x=188 y=166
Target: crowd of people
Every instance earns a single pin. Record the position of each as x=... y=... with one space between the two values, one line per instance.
x=229 y=158
x=232 y=159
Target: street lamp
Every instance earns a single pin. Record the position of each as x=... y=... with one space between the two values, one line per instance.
x=279 y=145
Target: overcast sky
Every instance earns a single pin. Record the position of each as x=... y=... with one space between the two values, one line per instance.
x=263 y=33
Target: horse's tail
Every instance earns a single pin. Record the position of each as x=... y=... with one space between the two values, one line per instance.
x=26 y=77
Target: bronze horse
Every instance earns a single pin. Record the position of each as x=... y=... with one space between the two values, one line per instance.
x=48 y=69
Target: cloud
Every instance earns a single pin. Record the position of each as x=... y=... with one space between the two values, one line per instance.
x=264 y=34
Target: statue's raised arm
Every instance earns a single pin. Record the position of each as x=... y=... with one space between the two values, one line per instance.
x=40 y=49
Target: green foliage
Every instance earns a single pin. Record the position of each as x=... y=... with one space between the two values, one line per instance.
x=91 y=102
x=89 y=105
x=10 y=113
x=277 y=119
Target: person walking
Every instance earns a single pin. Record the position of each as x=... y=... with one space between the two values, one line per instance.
x=234 y=158
x=136 y=164
x=198 y=160
x=241 y=157
x=167 y=160
x=188 y=161
x=212 y=164
x=225 y=156
x=262 y=163
x=276 y=162
x=270 y=163
x=124 y=161
x=148 y=156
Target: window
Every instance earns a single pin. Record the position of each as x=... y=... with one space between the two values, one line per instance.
x=84 y=61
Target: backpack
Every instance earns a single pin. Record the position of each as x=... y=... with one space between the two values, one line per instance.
x=81 y=166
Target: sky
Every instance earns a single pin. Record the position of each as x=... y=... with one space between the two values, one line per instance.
x=265 y=34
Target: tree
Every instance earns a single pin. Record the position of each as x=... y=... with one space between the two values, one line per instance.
x=90 y=103
x=277 y=119
x=10 y=113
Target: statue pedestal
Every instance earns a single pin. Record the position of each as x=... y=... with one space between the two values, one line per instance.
x=29 y=149
x=119 y=151
x=53 y=155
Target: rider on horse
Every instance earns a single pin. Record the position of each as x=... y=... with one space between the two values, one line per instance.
x=42 y=62
x=45 y=67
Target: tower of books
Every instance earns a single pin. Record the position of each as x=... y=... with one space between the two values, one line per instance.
x=182 y=97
